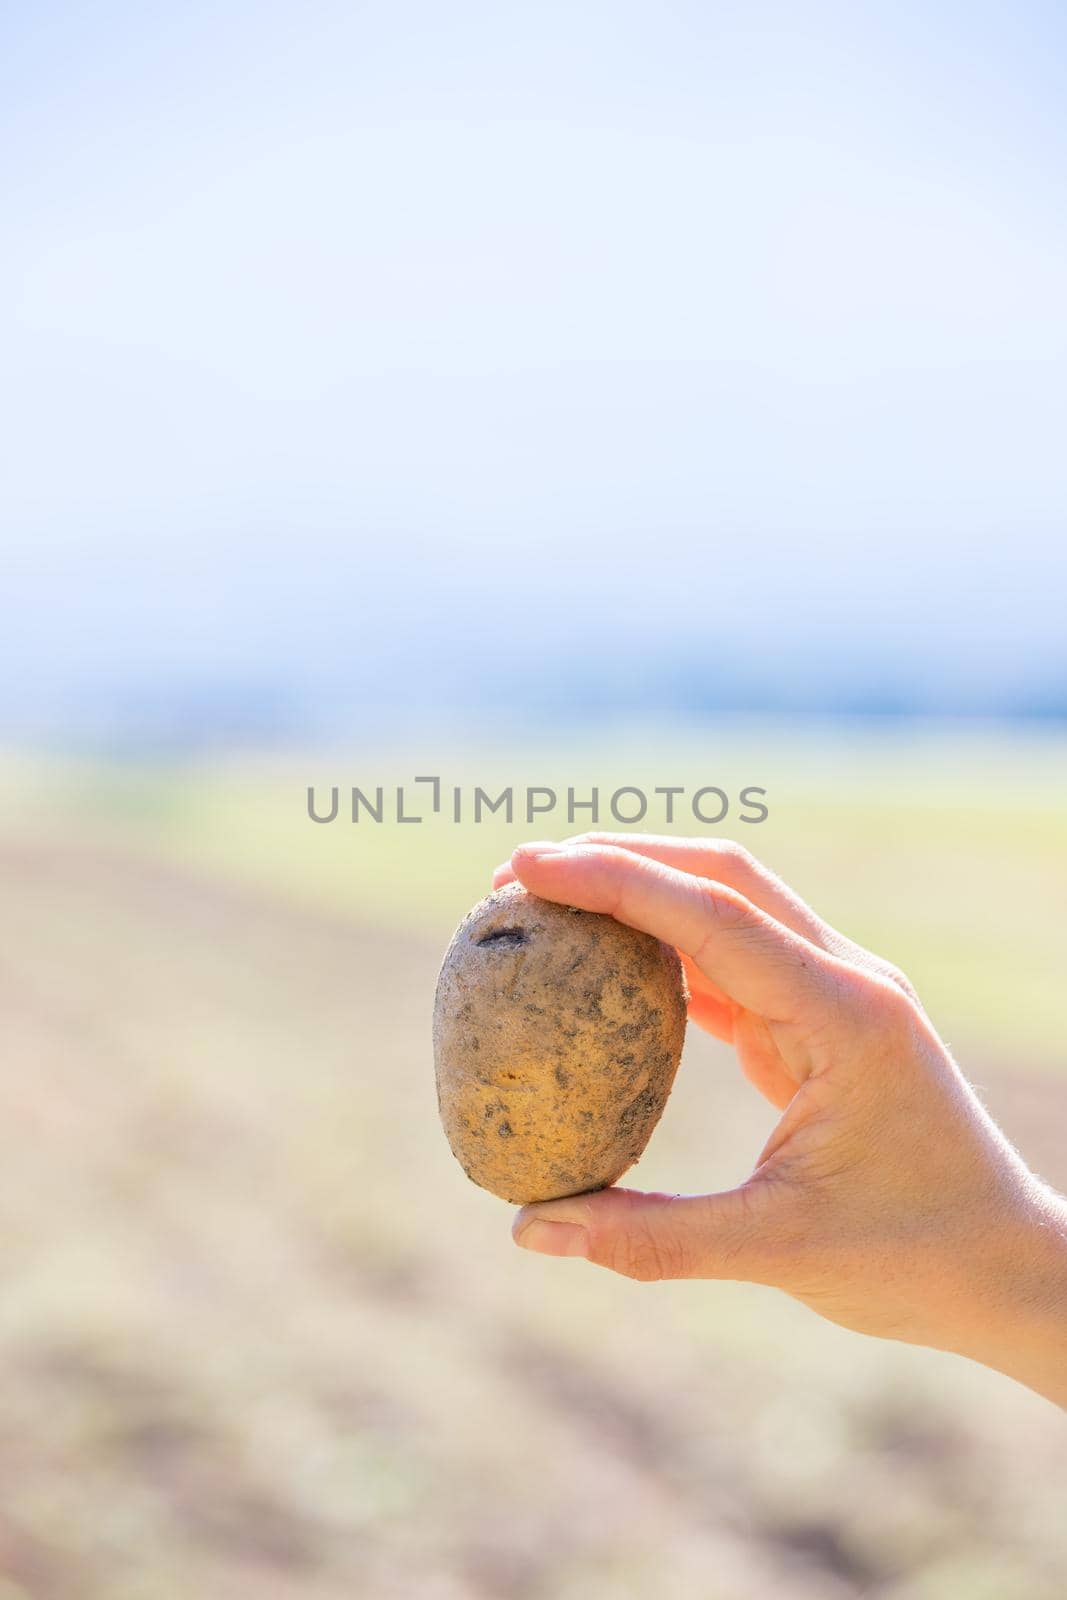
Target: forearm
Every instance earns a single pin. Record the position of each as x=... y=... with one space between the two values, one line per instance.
x=1025 y=1334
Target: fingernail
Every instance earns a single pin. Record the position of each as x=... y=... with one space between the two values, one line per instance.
x=553 y=1238
x=538 y=848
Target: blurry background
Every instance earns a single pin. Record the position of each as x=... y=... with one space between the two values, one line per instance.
x=575 y=394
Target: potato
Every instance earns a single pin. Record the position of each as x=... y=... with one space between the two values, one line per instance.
x=557 y=1035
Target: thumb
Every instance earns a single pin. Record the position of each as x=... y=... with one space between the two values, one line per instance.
x=646 y=1236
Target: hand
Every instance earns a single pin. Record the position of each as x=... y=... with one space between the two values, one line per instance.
x=886 y=1199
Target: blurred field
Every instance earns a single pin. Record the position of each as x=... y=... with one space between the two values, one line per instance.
x=262 y=1338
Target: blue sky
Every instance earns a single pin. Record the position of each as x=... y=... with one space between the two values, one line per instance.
x=416 y=353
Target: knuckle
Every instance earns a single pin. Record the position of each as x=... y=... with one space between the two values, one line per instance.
x=870 y=962
x=722 y=908
x=877 y=1000
x=900 y=979
x=731 y=858
x=646 y=1257
x=733 y=850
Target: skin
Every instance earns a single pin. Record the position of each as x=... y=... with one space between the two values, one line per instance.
x=886 y=1198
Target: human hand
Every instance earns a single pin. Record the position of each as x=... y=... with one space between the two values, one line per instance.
x=886 y=1198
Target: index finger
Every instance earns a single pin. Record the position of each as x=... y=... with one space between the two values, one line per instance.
x=722 y=859
x=753 y=959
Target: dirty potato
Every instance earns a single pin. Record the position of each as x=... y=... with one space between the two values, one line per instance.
x=557 y=1035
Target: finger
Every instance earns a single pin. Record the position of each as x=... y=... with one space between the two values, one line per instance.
x=505 y=872
x=749 y=957
x=725 y=861
x=647 y=1236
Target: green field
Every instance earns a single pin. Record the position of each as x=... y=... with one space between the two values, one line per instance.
x=264 y=1339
